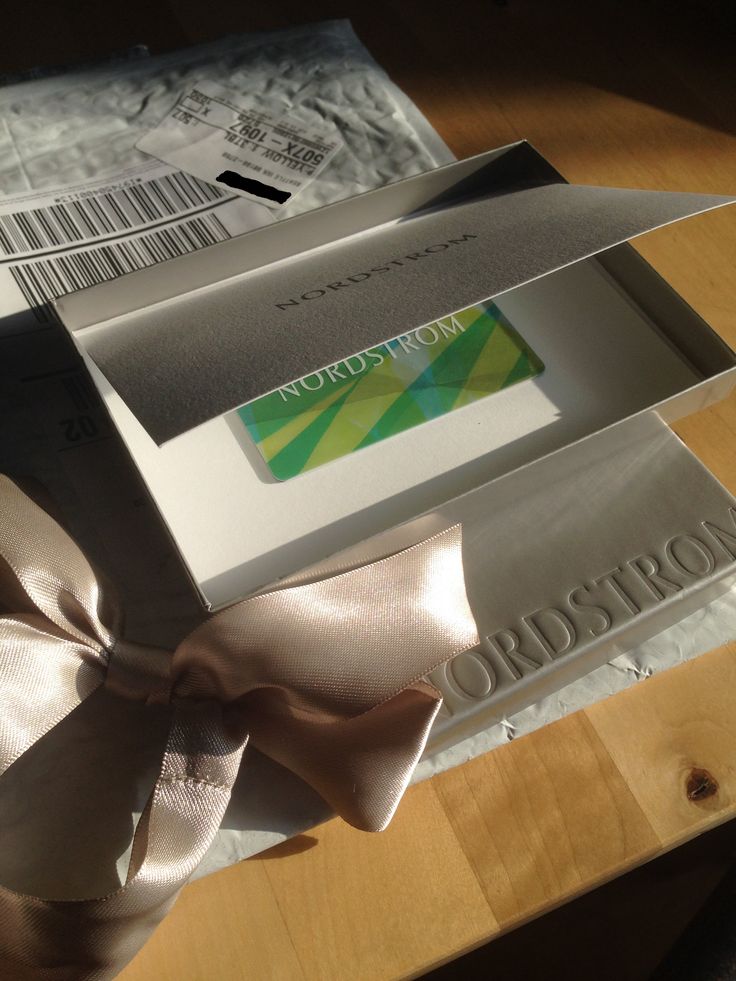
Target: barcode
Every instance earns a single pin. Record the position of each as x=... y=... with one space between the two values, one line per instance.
x=104 y=214
x=41 y=280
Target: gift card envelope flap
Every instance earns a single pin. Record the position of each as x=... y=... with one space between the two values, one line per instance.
x=191 y=357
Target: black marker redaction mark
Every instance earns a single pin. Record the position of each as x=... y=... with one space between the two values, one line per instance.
x=232 y=179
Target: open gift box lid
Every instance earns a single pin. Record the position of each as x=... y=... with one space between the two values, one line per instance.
x=559 y=481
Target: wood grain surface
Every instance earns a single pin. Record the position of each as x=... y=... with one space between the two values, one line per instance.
x=638 y=95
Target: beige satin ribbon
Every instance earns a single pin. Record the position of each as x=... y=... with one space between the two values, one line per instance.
x=325 y=677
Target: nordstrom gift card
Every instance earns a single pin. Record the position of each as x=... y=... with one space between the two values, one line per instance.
x=435 y=369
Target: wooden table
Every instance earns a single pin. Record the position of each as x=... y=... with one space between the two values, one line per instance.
x=625 y=99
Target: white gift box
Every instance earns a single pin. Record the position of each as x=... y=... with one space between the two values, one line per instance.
x=588 y=526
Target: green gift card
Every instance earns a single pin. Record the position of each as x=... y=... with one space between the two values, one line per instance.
x=377 y=393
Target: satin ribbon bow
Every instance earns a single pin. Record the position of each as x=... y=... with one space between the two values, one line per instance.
x=325 y=677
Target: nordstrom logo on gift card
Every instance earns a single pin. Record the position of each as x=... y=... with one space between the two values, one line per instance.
x=356 y=364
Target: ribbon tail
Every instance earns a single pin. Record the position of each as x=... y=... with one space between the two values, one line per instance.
x=362 y=765
x=92 y=940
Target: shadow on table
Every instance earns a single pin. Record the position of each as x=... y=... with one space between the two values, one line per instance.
x=673 y=919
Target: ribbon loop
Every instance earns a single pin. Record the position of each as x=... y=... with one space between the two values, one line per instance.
x=340 y=645
x=40 y=559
